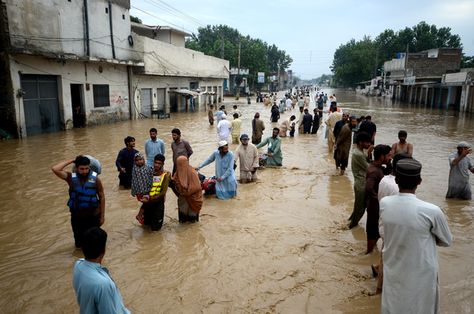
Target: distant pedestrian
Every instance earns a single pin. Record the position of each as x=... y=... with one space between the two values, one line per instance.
x=369 y=127
x=307 y=121
x=153 y=146
x=125 y=161
x=288 y=104
x=226 y=185
x=219 y=113
x=95 y=289
x=210 y=115
x=223 y=128
x=179 y=147
x=343 y=145
x=316 y=121
x=402 y=147
x=235 y=110
x=236 y=125
x=331 y=120
x=274 y=114
x=257 y=129
x=460 y=165
x=285 y=126
x=412 y=230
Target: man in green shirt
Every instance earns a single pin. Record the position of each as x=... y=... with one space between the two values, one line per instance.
x=274 y=149
x=359 y=165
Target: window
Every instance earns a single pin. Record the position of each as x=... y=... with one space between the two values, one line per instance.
x=101 y=96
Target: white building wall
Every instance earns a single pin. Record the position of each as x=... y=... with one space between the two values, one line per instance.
x=76 y=72
x=165 y=59
x=57 y=27
x=170 y=83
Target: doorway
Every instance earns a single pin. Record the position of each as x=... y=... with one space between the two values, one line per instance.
x=77 y=104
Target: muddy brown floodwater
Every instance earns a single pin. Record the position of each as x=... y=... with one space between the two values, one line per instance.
x=279 y=247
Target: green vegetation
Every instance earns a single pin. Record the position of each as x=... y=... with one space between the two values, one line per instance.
x=256 y=55
x=135 y=19
x=358 y=61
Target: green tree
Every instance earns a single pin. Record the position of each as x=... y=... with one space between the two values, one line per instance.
x=135 y=19
x=467 y=62
x=372 y=54
x=354 y=62
x=255 y=54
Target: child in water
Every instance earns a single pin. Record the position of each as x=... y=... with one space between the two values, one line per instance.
x=142 y=177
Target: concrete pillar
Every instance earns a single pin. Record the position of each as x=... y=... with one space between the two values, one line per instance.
x=439 y=100
x=426 y=95
x=464 y=98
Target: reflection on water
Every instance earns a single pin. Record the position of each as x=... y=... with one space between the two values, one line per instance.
x=279 y=246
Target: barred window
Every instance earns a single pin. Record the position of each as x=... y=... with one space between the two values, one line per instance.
x=101 y=96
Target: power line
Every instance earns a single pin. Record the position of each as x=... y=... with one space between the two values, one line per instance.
x=159 y=18
x=175 y=12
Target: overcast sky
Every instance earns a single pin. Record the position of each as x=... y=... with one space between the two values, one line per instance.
x=311 y=30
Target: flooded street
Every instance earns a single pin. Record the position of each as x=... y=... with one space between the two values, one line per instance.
x=279 y=247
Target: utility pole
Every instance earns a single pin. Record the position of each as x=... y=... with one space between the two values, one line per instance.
x=238 y=71
x=222 y=46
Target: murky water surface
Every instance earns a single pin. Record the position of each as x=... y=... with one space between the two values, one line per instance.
x=280 y=246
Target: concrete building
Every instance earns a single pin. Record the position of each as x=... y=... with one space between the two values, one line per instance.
x=65 y=64
x=174 y=78
x=68 y=63
x=417 y=77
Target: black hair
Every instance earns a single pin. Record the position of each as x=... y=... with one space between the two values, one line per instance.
x=407 y=183
x=236 y=115
x=176 y=131
x=128 y=139
x=153 y=130
x=402 y=133
x=368 y=118
x=82 y=161
x=276 y=129
x=159 y=157
x=363 y=137
x=93 y=242
x=381 y=150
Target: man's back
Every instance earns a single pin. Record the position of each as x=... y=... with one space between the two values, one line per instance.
x=412 y=230
x=96 y=291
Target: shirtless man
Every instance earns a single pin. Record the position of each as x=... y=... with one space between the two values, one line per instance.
x=402 y=147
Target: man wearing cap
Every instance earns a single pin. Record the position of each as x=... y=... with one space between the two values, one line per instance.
x=247 y=154
x=412 y=230
x=223 y=128
x=460 y=164
x=275 y=157
x=226 y=185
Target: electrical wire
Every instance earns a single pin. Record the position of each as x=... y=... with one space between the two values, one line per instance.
x=159 y=18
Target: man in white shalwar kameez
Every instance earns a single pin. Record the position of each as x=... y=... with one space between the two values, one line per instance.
x=223 y=129
x=413 y=228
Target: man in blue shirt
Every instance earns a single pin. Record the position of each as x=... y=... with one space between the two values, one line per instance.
x=95 y=290
x=153 y=147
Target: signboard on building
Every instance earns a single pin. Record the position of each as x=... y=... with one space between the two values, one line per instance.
x=261 y=77
x=235 y=71
x=433 y=53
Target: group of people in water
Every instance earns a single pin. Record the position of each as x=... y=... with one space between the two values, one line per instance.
x=385 y=180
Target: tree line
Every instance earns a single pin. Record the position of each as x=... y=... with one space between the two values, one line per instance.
x=361 y=60
x=256 y=55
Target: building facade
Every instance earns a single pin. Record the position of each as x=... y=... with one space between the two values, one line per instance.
x=418 y=78
x=71 y=63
